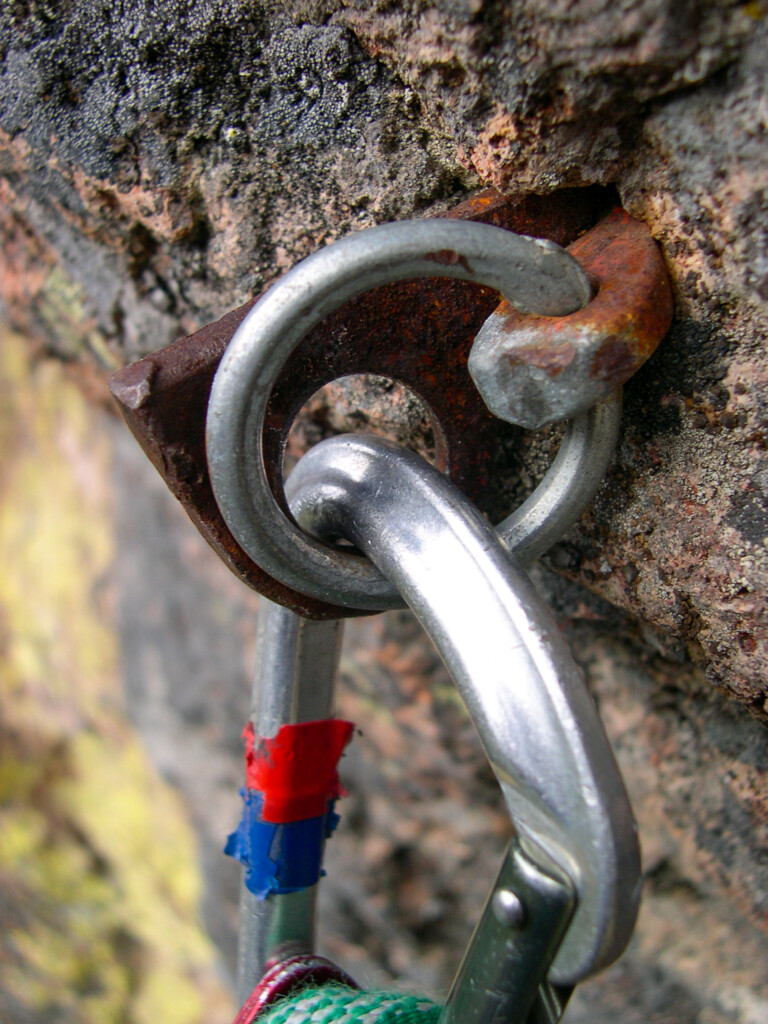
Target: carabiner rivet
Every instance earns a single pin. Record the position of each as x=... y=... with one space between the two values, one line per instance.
x=508 y=908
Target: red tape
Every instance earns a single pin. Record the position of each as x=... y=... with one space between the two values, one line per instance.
x=295 y=772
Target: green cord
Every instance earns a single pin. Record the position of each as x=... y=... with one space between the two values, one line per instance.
x=336 y=1004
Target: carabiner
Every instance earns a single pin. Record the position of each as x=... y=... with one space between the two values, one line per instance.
x=565 y=901
x=518 y=679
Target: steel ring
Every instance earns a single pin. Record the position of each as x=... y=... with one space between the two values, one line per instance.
x=535 y=276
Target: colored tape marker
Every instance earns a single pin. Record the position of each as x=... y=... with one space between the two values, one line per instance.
x=279 y=858
x=296 y=770
x=288 y=805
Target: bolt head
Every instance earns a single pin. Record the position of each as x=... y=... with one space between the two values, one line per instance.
x=531 y=380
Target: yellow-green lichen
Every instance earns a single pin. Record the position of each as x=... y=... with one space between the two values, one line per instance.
x=99 y=884
x=61 y=306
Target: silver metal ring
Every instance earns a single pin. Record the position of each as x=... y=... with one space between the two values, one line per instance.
x=533 y=275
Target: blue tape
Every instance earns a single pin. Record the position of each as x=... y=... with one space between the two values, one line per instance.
x=279 y=858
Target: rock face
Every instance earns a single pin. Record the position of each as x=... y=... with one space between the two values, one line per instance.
x=157 y=169
x=170 y=167
x=99 y=883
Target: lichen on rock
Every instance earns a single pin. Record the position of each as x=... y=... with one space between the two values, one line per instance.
x=100 y=887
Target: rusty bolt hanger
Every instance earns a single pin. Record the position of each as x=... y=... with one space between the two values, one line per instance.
x=535 y=275
x=418 y=332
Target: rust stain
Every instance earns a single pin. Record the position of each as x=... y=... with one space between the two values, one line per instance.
x=632 y=307
x=448 y=258
x=553 y=359
x=614 y=360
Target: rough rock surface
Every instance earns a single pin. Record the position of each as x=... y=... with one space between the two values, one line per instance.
x=156 y=171
x=168 y=167
x=100 y=888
